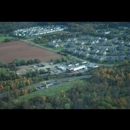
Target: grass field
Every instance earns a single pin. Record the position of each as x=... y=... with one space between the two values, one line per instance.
x=51 y=91
x=3 y=38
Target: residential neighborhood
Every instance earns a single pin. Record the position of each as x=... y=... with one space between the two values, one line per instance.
x=33 y=31
x=96 y=48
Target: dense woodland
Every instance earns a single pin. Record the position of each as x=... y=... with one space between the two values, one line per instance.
x=109 y=88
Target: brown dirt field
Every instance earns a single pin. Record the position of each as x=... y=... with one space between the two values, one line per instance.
x=18 y=49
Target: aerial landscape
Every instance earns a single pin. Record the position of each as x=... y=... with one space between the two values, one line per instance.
x=64 y=65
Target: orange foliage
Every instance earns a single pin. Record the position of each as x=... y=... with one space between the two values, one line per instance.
x=44 y=98
x=107 y=76
x=94 y=100
x=122 y=102
x=110 y=70
x=123 y=75
x=117 y=76
x=1 y=87
x=24 y=92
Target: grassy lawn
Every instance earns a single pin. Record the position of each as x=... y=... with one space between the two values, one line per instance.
x=4 y=37
x=51 y=91
x=126 y=48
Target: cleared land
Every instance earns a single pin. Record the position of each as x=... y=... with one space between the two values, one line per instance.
x=11 y=50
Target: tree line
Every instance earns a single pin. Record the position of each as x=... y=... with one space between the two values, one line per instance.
x=19 y=62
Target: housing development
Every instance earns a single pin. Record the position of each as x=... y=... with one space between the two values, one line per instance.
x=38 y=30
x=95 y=48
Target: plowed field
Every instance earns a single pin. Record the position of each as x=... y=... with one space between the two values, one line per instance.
x=18 y=49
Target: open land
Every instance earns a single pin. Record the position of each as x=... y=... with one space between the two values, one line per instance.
x=11 y=50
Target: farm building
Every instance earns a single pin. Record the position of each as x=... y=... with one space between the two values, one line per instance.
x=77 y=68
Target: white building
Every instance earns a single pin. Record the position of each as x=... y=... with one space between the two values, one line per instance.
x=78 y=68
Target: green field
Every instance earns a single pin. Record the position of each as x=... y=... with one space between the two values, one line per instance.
x=51 y=91
x=4 y=37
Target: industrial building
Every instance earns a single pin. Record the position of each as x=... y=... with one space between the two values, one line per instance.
x=77 y=68
x=92 y=65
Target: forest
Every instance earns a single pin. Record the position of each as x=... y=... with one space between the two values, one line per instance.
x=107 y=89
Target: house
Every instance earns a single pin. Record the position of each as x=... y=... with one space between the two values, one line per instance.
x=81 y=53
x=92 y=52
x=75 y=52
x=102 y=58
x=96 y=51
x=93 y=42
x=59 y=40
x=127 y=43
x=82 y=47
x=85 y=54
x=102 y=53
x=55 y=45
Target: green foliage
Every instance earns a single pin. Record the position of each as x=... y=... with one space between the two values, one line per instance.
x=3 y=65
x=8 y=27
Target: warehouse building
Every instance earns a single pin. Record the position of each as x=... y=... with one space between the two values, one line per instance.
x=77 y=68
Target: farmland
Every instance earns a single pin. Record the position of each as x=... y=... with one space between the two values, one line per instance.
x=11 y=50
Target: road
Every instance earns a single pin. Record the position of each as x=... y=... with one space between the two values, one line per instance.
x=59 y=81
x=49 y=82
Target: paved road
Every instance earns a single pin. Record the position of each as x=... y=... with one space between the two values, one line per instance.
x=59 y=81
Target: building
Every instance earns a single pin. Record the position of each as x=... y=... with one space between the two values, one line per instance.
x=77 y=68
x=92 y=65
x=61 y=68
x=84 y=62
